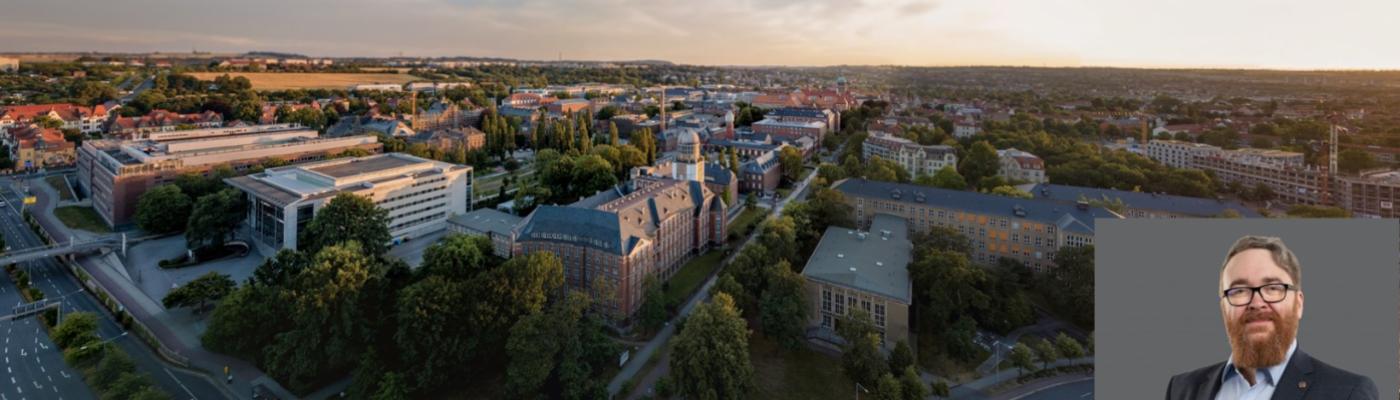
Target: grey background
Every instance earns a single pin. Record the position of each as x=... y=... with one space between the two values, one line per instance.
x=1156 y=305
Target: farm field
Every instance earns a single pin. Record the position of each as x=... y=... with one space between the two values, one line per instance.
x=309 y=80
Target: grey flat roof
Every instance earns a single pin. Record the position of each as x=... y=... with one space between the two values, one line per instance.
x=263 y=190
x=1067 y=216
x=878 y=262
x=1162 y=202
x=363 y=165
x=487 y=220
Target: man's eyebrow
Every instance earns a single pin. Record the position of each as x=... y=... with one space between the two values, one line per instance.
x=1267 y=280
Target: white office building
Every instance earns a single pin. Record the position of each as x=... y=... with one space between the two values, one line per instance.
x=420 y=195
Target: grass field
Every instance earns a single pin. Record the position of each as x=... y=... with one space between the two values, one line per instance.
x=746 y=219
x=83 y=218
x=801 y=374
x=60 y=185
x=308 y=80
x=692 y=274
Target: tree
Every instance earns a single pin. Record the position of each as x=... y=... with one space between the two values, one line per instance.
x=1262 y=192
x=711 y=356
x=76 y=329
x=1045 y=352
x=901 y=357
x=330 y=325
x=1307 y=211
x=1011 y=191
x=206 y=288
x=348 y=217
x=1072 y=283
x=734 y=161
x=653 y=311
x=458 y=257
x=1068 y=347
x=612 y=132
x=164 y=209
x=1353 y=161
x=887 y=387
x=939 y=388
x=981 y=162
x=946 y=178
x=914 y=388
x=861 y=360
x=783 y=308
x=1022 y=358
x=751 y=199
x=791 y=160
x=215 y=217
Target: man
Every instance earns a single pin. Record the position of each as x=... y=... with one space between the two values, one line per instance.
x=1261 y=302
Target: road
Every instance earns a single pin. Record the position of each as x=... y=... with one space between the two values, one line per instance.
x=662 y=368
x=146 y=84
x=49 y=276
x=1078 y=390
x=33 y=367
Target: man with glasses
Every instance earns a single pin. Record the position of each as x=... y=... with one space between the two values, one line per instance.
x=1261 y=301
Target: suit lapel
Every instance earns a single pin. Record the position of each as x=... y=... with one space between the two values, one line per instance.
x=1212 y=385
x=1296 y=378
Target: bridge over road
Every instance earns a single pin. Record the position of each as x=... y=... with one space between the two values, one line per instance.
x=74 y=247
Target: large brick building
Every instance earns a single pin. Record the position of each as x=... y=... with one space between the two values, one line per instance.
x=1029 y=231
x=35 y=147
x=115 y=173
x=610 y=242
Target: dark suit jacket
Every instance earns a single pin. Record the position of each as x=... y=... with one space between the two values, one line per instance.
x=1304 y=378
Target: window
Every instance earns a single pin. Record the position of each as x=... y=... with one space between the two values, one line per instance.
x=826 y=300
x=880 y=315
x=865 y=304
x=840 y=304
x=826 y=321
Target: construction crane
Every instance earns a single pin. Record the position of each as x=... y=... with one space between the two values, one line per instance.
x=1329 y=165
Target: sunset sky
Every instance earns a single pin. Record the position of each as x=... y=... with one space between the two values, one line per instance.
x=1287 y=34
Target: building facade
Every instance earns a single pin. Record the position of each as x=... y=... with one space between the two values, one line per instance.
x=610 y=242
x=498 y=226
x=915 y=158
x=1029 y=231
x=854 y=270
x=1017 y=165
x=419 y=194
x=34 y=147
x=1179 y=154
x=115 y=173
x=790 y=130
x=1371 y=194
x=1283 y=172
x=83 y=119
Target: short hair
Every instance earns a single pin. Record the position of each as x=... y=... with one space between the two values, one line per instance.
x=1282 y=255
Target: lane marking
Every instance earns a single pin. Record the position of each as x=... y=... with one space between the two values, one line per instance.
x=177 y=382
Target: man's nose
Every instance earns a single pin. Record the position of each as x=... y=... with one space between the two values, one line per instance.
x=1257 y=301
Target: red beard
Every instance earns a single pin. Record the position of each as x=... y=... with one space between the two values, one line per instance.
x=1270 y=351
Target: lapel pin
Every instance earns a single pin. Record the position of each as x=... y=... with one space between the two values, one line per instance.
x=1302 y=385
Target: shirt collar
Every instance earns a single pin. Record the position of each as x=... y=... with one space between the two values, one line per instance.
x=1270 y=374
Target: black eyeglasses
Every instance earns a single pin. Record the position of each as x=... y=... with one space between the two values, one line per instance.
x=1271 y=293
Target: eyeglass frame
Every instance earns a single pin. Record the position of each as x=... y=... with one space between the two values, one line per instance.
x=1258 y=291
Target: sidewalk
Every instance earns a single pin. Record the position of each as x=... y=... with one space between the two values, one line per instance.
x=639 y=359
x=149 y=311
x=977 y=388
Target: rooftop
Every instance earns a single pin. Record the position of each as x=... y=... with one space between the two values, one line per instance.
x=487 y=220
x=1162 y=202
x=876 y=261
x=361 y=166
x=1067 y=217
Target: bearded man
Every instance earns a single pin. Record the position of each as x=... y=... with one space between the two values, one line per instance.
x=1261 y=302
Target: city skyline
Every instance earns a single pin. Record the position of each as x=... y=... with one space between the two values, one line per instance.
x=1244 y=34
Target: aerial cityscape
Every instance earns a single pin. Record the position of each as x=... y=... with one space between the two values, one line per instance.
x=641 y=201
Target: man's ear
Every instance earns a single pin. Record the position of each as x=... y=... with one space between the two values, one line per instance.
x=1300 y=304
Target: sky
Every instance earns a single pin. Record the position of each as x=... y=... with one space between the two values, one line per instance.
x=1279 y=34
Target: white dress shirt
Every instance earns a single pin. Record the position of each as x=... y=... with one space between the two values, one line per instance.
x=1233 y=386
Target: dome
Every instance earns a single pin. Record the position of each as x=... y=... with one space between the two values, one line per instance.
x=688 y=137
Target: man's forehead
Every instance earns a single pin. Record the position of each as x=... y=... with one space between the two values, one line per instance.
x=1253 y=266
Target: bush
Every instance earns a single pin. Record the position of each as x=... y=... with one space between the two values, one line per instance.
x=663 y=387
x=35 y=294
x=176 y=262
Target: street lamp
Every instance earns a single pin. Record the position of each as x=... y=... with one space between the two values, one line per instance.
x=84 y=347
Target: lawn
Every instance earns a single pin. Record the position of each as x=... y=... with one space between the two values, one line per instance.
x=692 y=275
x=746 y=219
x=309 y=80
x=802 y=374
x=84 y=218
x=60 y=185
